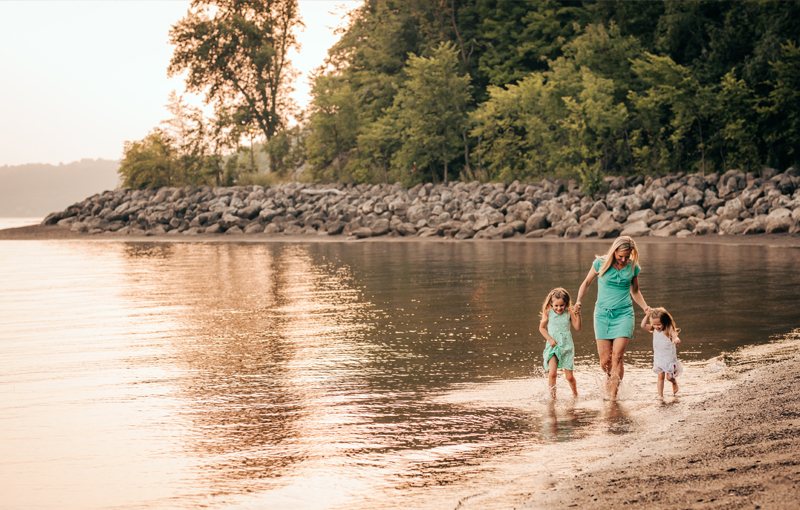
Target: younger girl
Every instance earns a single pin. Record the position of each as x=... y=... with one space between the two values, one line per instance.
x=665 y=341
x=559 y=351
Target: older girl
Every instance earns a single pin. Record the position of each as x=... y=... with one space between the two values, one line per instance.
x=617 y=273
x=557 y=315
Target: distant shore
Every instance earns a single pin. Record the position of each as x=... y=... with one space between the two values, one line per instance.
x=740 y=449
x=52 y=232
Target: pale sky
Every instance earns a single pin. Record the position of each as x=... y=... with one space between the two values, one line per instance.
x=79 y=78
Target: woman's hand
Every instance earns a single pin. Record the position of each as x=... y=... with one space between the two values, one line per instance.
x=577 y=307
x=676 y=341
x=553 y=343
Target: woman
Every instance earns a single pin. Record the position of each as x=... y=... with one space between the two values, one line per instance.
x=618 y=281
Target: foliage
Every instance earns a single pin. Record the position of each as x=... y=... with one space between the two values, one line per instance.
x=431 y=112
x=556 y=87
x=149 y=162
x=236 y=52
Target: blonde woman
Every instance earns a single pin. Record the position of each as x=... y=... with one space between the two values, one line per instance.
x=617 y=274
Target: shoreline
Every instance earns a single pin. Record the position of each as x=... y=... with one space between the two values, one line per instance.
x=738 y=449
x=55 y=233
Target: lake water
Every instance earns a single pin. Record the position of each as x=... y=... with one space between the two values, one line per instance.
x=340 y=375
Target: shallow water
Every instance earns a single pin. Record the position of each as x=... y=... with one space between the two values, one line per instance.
x=340 y=375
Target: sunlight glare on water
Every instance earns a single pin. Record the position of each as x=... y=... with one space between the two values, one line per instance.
x=339 y=375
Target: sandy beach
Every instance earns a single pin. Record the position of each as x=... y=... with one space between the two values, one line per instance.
x=740 y=449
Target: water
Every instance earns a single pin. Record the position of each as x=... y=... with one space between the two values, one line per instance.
x=340 y=375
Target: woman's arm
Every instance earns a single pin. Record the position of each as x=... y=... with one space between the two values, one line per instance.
x=636 y=294
x=576 y=319
x=584 y=288
x=545 y=334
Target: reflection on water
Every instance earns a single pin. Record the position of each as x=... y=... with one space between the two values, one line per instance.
x=154 y=375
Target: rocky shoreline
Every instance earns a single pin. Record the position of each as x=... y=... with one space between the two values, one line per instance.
x=680 y=205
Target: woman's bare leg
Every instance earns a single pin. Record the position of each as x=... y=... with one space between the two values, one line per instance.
x=617 y=364
x=604 y=352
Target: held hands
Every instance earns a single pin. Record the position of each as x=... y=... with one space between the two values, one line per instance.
x=648 y=311
x=676 y=341
x=577 y=307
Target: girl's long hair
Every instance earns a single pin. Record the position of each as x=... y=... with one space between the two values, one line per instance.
x=663 y=316
x=557 y=293
x=622 y=243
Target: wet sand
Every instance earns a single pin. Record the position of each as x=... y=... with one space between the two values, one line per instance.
x=40 y=233
x=740 y=449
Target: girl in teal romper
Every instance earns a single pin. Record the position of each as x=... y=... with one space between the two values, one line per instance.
x=557 y=314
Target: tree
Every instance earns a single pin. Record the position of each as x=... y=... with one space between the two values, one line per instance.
x=236 y=52
x=149 y=162
x=781 y=107
x=431 y=110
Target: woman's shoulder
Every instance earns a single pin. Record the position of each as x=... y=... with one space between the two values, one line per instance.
x=598 y=262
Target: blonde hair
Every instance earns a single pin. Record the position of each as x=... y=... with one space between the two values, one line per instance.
x=622 y=243
x=557 y=293
x=666 y=320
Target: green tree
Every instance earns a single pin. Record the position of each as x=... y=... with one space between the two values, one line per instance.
x=780 y=113
x=236 y=52
x=150 y=162
x=431 y=111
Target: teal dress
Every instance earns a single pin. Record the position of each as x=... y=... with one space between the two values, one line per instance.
x=613 y=313
x=564 y=351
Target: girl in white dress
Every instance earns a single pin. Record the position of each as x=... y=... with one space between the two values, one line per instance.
x=665 y=341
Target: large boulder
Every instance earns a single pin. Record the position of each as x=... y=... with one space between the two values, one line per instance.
x=606 y=226
x=705 y=228
x=536 y=221
x=732 y=209
x=641 y=215
x=779 y=220
x=636 y=229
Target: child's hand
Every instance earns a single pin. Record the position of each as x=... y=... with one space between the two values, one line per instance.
x=676 y=341
x=648 y=311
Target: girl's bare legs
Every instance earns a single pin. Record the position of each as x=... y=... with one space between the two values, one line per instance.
x=611 y=354
x=674 y=384
x=571 y=380
x=661 y=385
x=551 y=378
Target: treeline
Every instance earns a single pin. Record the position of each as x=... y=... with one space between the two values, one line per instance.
x=420 y=90
x=433 y=90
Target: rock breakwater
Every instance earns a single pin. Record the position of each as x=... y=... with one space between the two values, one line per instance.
x=733 y=203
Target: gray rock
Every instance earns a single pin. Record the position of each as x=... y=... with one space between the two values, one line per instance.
x=536 y=221
x=254 y=228
x=692 y=210
x=572 y=232
x=660 y=204
x=535 y=234
x=380 y=227
x=426 y=232
x=779 y=220
x=641 y=215
x=606 y=226
x=296 y=229
x=684 y=233
x=732 y=209
x=234 y=230
x=705 y=228
x=272 y=228
x=597 y=209
x=636 y=229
